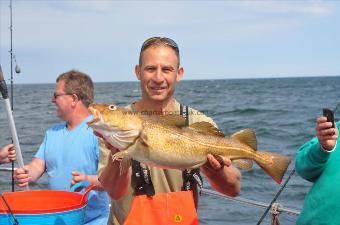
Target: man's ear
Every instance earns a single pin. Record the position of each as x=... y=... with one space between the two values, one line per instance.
x=75 y=99
x=137 y=72
x=180 y=74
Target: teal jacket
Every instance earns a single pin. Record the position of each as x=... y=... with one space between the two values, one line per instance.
x=322 y=203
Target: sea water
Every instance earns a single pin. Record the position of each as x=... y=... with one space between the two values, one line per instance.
x=282 y=111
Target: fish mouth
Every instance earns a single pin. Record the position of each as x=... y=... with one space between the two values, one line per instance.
x=118 y=138
x=95 y=120
x=97 y=117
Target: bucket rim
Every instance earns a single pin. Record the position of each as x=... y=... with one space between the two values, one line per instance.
x=3 y=213
x=10 y=196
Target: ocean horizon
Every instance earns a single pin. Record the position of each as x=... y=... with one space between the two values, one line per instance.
x=282 y=111
x=133 y=79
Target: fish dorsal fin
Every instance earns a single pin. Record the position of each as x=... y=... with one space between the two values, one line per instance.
x=246 y=136
x=170 y=120
x=206 y=128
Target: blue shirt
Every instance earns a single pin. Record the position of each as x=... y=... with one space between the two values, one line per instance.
x=65 y=151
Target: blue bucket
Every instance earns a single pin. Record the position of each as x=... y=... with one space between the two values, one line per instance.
x=43 y=207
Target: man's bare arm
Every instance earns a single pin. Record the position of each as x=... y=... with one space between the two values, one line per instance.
x=30 y=172
x=112 y=180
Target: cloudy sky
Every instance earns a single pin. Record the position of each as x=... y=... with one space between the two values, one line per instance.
x=217 y=39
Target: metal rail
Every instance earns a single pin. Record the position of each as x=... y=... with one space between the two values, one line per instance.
x=6 y=169
x=249 y=202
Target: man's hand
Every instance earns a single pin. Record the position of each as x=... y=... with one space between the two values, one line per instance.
x=21 y=176
x=81 y=177
x=215 y=164
x=326 y=135
x=7 y=154
x=78 y=177
x=12 y=155
x=221 y=175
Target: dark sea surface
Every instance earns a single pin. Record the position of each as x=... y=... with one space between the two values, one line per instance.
x=283 y=112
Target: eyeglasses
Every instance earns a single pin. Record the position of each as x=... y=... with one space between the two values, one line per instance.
x=166 y=41
x=55 y=95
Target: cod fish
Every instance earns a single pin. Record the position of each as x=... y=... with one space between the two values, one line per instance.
x=164 y=142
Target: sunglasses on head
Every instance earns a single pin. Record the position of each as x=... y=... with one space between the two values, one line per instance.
x=166 y=41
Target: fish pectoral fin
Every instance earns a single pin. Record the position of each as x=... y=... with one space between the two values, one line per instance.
x=125 y=160
x=244 y=164
x=206 y=128
x=246 y=136
x=119 y=156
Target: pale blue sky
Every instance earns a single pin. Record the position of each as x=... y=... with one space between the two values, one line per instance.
x=217 y=39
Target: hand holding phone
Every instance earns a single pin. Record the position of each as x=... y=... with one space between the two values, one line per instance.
x=330 y=115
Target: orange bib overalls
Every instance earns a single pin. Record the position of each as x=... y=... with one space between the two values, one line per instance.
x=172 y=208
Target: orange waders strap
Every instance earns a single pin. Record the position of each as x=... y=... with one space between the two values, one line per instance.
x=172 y=208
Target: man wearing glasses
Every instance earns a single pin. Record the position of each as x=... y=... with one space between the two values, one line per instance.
x=69 y=152
x=149 y=195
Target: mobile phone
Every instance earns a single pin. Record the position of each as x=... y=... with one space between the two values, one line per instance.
x=330 y=115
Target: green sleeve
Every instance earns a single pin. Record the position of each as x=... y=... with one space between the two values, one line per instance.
x=311 y=160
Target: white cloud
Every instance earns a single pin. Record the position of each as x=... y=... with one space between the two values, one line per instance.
x=78 y=22
x=307 y=7
x=99 y=31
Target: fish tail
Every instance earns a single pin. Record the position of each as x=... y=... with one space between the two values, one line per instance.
x=275 y=165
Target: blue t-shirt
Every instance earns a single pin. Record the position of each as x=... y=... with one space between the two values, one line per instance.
x=65 y=151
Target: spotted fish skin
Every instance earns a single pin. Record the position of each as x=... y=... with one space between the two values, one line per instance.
x=162 y=142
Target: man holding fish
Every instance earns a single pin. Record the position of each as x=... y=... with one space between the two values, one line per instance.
x=147 y=193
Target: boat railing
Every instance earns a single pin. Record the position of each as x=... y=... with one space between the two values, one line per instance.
x=275 y=207
x=4 y=169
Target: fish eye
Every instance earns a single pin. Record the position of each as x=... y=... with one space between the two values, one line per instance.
x=112 y=107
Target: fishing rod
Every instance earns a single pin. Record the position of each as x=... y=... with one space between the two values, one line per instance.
x=4 y=92
x=16 y=222
x=275 y=197
x=17 y=70
x=11 y=52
